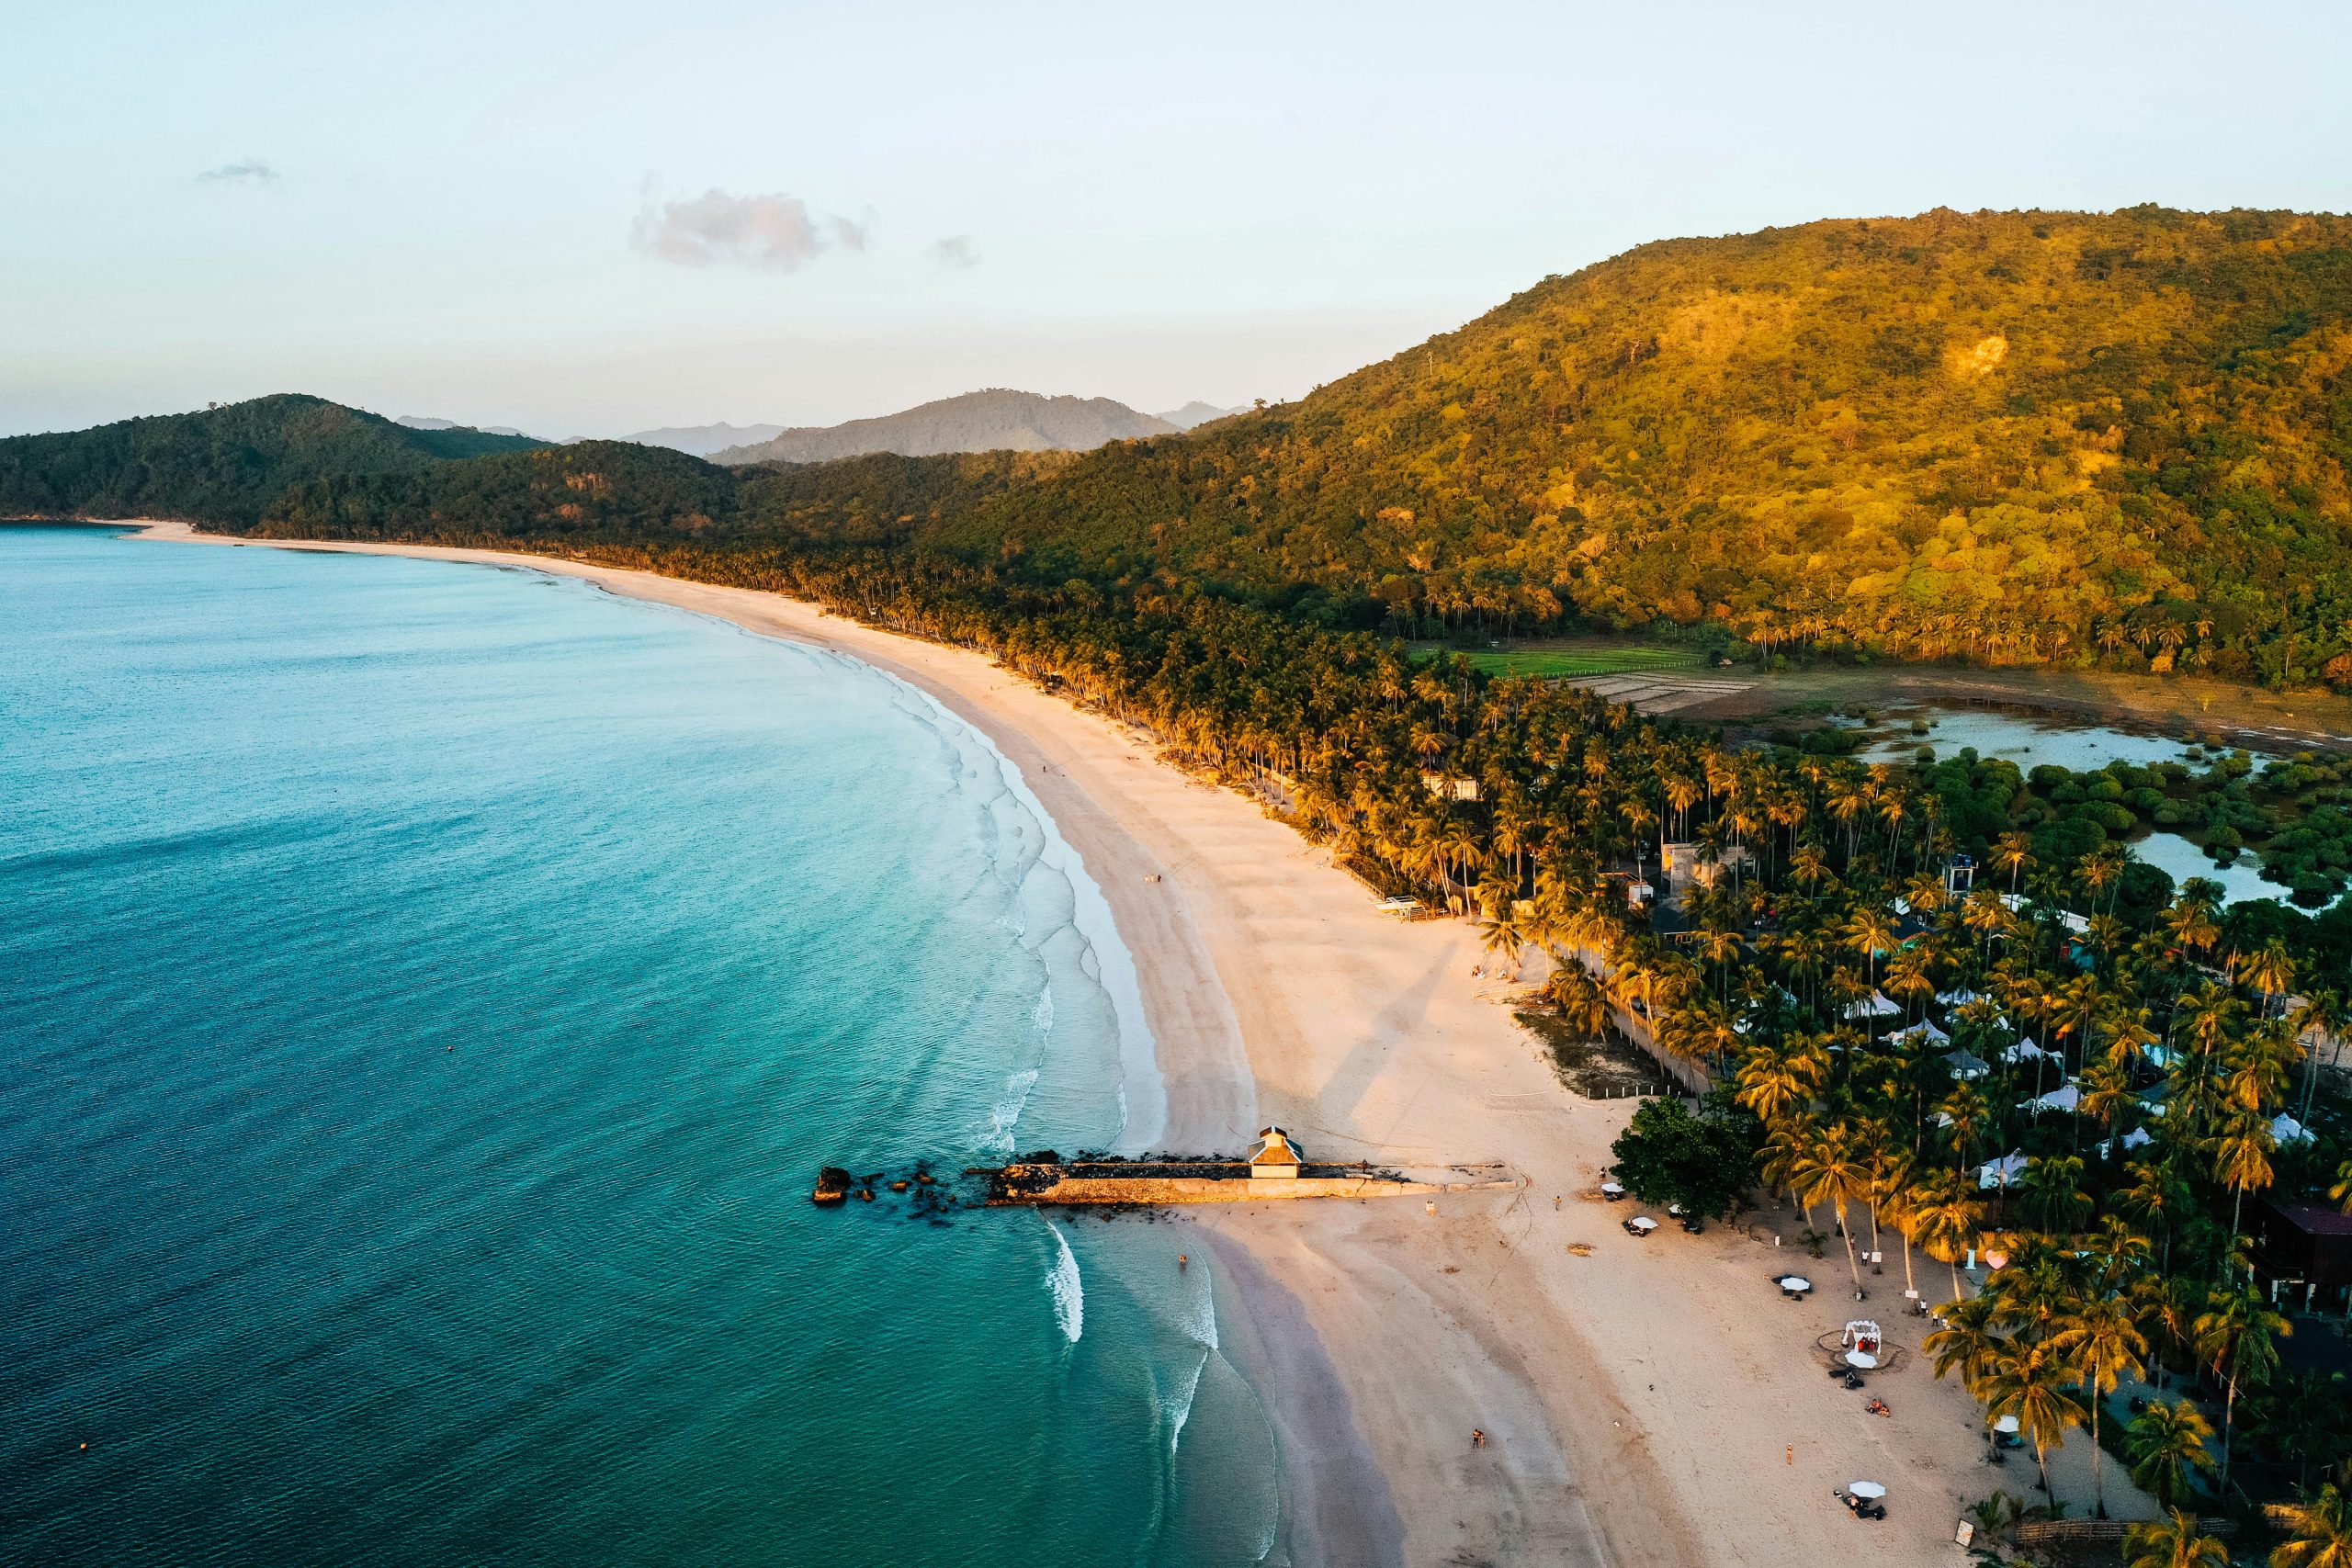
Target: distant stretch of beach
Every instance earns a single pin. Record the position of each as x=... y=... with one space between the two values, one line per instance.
x=1644 y=1402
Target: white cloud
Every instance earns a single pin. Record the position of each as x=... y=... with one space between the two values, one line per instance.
x=244 y=172
x=955 y=251
x=774 y=232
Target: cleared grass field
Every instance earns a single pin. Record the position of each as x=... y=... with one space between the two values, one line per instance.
x=1586 y=660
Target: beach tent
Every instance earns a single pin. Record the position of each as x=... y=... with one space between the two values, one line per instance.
x=1965 y=1067
x=1999 y=1172
x=2285 y=1129
x=1873 y=1005
x=2065 y=1097
x=1957 y=999
x=2023 y=1051
x=1274 y=1155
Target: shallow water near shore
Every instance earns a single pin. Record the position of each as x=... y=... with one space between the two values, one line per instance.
x=429 y=991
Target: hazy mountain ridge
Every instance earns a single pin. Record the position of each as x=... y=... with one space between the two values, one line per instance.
x=1196 y=413
x=994 y=420
x=702 y=440
x=418 y=421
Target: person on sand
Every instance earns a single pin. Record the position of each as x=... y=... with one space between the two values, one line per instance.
x=1477 y=1438
x=1182 y=1263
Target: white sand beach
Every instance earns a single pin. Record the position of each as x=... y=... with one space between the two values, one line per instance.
x=1655 y=1402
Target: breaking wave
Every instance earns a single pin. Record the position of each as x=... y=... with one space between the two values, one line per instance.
x=1069 y=1289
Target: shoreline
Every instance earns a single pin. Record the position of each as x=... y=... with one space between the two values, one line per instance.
x=1638 y=1396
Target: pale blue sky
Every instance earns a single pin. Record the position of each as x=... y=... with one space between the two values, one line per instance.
x=1184 y=201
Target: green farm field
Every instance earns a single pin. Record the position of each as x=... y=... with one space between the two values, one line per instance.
x=1581 y=660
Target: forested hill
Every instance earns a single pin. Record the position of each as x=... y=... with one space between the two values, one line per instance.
x=224 y=465
x=2117 y=438
x=618 y=493
x=2014 y=435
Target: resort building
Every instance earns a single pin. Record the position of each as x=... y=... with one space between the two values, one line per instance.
x=2304 y=1255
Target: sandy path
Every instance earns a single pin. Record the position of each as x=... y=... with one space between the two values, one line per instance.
x=1653 y=1403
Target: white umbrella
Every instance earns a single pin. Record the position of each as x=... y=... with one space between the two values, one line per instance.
x=1612 y=1189
x=1643 y=1223
x=1870 y=1489
x=1796 y=1282
x=2007 y=1425
x=1861 y=1359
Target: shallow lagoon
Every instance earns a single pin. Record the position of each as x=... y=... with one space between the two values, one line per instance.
x=2031 y=741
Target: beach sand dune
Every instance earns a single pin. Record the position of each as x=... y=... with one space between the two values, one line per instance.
x=1648 y=1402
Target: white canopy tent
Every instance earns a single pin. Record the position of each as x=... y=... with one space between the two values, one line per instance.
x=1999 y=1172
x=2065 y=1097
x=1875 y=1005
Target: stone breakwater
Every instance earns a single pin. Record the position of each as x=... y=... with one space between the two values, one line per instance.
x=1038 y=1182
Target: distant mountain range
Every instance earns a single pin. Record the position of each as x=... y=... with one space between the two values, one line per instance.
x=995 y=420
x=702 y=440
x=1197 y=413
x=416 y=421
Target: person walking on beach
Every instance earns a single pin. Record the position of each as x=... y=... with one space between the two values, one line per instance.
x=1477 y=1438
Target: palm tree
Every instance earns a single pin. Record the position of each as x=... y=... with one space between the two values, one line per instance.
x=1834 y=1168
x=2238 y=1337
x=1965 y=1114
x=2320 y=1019
x=2011 y=852
x=2156 y=1194
x=2029 y=1381
x=1897 y=1182
x=2270 y=971
x=2320 y=1531
x=2106 y=1347
x=1943 y=1210
x=1868 y=933
x=2051 y=1190
x=2166 y=1444
x=1584 y=1006
x=2242 y=1161
x=1500 y=931
x=2172 y=1542
x=1966 y=1343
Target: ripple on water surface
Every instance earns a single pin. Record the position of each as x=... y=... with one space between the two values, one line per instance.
x=430 y=993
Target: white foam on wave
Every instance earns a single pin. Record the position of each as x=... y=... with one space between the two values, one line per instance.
x=1008 y=1110
x=1142 y=1093
x=1066 y=1287
x=1184 y=1406
x=1197 y=1319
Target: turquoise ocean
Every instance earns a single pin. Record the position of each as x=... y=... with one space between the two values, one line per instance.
x=426 y=994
